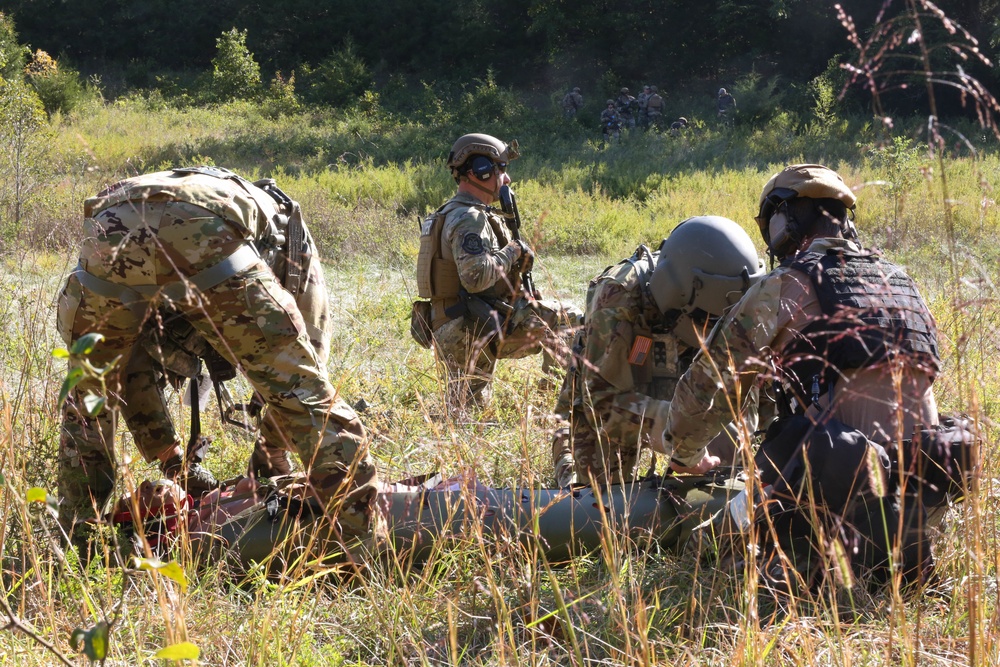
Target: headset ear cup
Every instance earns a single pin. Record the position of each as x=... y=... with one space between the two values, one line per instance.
x=482 y=167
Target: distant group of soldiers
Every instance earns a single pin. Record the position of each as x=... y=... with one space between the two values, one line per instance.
x=674 y=351
x=645 y=111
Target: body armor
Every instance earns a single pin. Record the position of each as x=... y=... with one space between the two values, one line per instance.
x=873 y=313
x=437 y=273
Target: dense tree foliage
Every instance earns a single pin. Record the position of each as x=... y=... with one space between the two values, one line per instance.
x=532 y=44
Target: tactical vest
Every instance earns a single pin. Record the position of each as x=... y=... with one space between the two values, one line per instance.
x=654 y=104
x=872 y=313
x=437 y=272
x=657 y=358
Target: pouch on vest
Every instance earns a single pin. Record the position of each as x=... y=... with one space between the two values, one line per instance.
x=654 y=360
x=935 y=465
x=828 y=486
x=437 y=278
x=420 y=323
x=482 y=319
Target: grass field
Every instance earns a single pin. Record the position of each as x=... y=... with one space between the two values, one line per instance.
x=363 y=182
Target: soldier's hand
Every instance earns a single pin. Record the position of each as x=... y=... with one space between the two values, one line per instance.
x=527 y=260
x=707 y=463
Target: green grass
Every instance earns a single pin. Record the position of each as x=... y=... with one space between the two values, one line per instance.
x=363 y=183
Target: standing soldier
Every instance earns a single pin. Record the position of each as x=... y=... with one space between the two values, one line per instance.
x=725 y=107
x=193 y=241
x=471 y=269
x=645 y=319
x=611 y=122
x=572 y=102
x=641 y=100
x=627 y=107
x=654 y=108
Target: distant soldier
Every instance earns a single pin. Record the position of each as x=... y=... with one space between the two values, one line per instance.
x=725 y=106
x=611 y=121
x=641 y=100
x=678 y=126
x=654 y=108
x=470 y=267
x=572 y=102
x=194 y=241
x=627 y=107
x=644 y=322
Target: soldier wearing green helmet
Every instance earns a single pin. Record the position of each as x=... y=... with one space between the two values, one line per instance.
x=645 y=319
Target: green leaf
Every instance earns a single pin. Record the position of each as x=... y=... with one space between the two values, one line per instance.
x=36 y=494
x=93 y=404
x=85 y=344
x=93 y=642
x=60 y=353
x=3 y=480
x=72 y=379
x=169 y=570
x=181 y=651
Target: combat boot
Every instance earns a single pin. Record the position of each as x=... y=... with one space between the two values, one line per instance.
x=197 y=480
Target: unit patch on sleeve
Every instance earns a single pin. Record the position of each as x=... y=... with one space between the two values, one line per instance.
x=473 y=244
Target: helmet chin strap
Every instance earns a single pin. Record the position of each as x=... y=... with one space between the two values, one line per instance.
x=473 y=182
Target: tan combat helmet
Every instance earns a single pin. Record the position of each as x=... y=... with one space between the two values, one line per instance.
x=813 y=181
x=469 y=145
x=705 y=266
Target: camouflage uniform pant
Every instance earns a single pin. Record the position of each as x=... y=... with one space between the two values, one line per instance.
x=580 y=450
x=171 y=353
x=252 y=321
x=470 y=359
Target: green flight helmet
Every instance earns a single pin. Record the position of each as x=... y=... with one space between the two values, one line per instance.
x=706 y=265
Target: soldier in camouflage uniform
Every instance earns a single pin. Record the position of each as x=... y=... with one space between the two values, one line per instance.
x=804 y=208
x=851 y=350
x=470 y=268
x=572 y=102
x=173 y=351
x=190 y=241
x=645 y=318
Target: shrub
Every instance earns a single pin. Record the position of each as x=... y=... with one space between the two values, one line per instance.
x=22 y=122
x=12 y=54
x=235 y=72
x=58 y=86
x=339 y=80
x=281 y=99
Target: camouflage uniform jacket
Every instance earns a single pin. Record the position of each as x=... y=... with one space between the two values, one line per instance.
x=615 y=389
x=747 y=342
x=477 y=238
x=572 y=101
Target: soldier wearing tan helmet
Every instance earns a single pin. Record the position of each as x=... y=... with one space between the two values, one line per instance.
x=841 y=336
x=469 y=268
x=645 y=319
x=628 y=107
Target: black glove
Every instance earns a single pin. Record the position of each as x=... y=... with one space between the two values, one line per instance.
x=527 y=260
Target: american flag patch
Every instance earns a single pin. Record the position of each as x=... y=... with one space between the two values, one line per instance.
x=640 y=348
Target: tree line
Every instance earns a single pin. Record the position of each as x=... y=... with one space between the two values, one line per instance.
x=529 y=44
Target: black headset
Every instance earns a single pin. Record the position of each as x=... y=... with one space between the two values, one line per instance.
x=481 y=166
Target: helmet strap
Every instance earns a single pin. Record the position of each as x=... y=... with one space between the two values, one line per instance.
x=474 y=183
